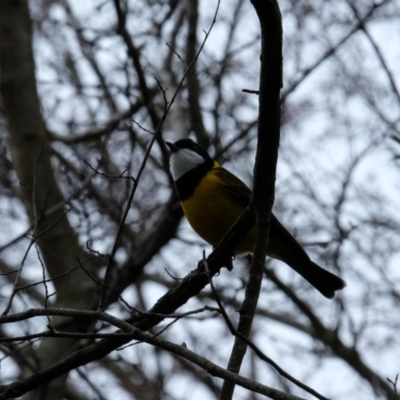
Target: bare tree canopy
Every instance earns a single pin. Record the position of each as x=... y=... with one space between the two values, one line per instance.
x=106 y=290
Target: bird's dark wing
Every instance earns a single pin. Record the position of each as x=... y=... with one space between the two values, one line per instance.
x=235 y=188
x=282 y=245
x=281 y=238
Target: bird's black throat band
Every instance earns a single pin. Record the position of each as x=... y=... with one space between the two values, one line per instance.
x=187 y=183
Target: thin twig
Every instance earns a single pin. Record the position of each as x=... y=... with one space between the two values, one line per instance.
x=154 y=335
x=96 y=390
x=75 y=313
x=253 y=346
x=251 y=91
x=15 y=389
x=34 y=205
x=20 y=288
x=9 y=272
x=50 y=211
x=34 y=238
x=167 y=107
x=175 y=52
x=385 y=67
x=394 y=385
x=172 y=276
x=101 y=284
x=142 y=127
x=120 y=176
x=332 y=50
x=45 y=288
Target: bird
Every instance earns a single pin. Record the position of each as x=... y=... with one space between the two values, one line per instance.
x=213 y=199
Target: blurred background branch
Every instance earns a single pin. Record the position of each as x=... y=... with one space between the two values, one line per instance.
x=78 y=79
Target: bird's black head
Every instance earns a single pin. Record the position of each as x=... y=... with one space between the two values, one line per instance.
x=187 y=144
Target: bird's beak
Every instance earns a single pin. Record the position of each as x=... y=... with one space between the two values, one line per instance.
x=171 y=146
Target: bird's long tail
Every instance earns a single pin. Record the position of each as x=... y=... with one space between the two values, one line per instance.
x=284 y=247
x=323 y=280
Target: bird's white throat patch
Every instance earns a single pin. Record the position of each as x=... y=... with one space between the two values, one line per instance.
x=183 y=161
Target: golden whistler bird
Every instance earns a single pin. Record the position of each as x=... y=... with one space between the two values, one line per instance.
x=213 y=199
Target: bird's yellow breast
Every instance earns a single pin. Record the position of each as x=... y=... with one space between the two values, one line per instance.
x=211 y=212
